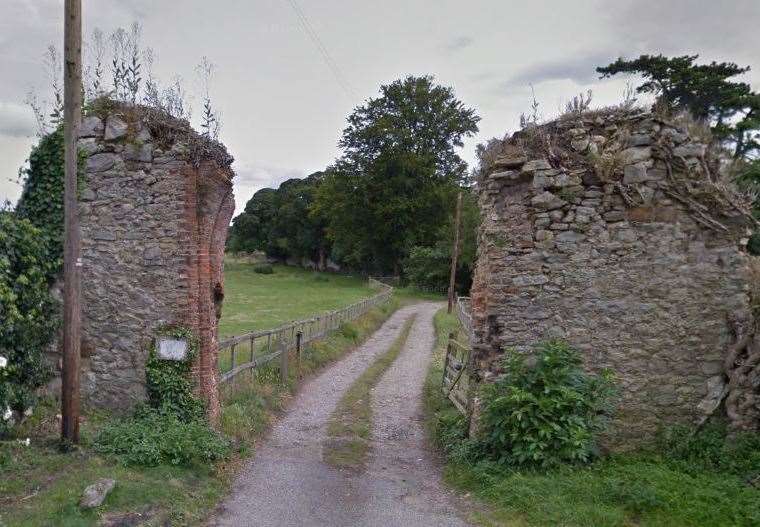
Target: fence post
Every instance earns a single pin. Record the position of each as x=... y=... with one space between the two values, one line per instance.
x=299 y=335
x=446 y=361
x=284 y=362
x=253 y=339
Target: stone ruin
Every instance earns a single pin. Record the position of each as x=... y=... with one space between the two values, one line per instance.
x=613 y=231
x=155 y=204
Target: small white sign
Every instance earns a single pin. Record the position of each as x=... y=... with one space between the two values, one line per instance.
x=172 y=349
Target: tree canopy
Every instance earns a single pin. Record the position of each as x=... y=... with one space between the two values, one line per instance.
x=392 y=190
x=707 y=91
x=395 y=184
x=278 y=222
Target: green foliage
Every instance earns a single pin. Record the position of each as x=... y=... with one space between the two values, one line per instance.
x=27 y=311
x=712 y=449
x=395 y=185
x=263 y=269
x=41 y=200
x=278 y=222
x=169 y=382
x=153 y=438
x=618 y=491
x=171 y=429
x=350 y=331
x=646 y=490
x=428 y=266
x=705 y=90
x=544 y=414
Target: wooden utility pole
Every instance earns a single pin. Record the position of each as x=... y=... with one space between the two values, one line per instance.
x=72 y=115
x=455 y=251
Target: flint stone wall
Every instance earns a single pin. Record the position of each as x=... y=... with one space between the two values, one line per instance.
x=154 y=214
x=585 y=237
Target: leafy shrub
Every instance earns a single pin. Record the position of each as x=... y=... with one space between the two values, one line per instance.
x=712 y=449
x=544 y=414
x=263 y=269
x=28 y=314
x=153 y=438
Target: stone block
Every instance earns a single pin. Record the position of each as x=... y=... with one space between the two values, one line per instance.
x=690 y=150
x=101 y=162
x=636 y=154
x=547 y=201
x=116 y=128
x=511 y=162
x=636 y=173
x=91 y=126
x=536 y=164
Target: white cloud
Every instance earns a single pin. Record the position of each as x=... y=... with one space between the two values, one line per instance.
x=16 y=120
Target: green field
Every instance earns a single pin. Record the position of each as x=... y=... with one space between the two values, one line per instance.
x=255 y=301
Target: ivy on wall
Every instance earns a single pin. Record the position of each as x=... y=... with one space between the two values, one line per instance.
x=28 y=314
x=31 y=250
x=169 y=382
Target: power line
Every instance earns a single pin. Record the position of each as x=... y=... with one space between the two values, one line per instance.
x=307 y=27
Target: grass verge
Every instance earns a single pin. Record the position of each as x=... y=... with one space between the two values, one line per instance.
x=349 y=428
x=39 y=485
x=639 y=489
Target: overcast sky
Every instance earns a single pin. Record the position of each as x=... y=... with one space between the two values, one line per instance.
x=284 y=106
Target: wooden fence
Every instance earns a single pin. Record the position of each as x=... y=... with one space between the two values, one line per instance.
x=252 y=350
x=456 y=378
x=464 y=314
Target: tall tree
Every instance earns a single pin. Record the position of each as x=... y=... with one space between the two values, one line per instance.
x=706 y=90
x=394 y=185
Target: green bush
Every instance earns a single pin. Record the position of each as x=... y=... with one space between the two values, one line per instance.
x=28 y=313
x=153 y=438
x=546 y=413
x=263 y=269
x=712 y=449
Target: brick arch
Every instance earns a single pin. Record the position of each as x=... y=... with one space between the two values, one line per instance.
x=214 y=206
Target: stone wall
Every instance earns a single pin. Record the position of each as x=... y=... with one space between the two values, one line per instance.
x=155 y=204
x=610 y=231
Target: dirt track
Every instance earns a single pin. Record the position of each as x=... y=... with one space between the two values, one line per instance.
x=288 y=484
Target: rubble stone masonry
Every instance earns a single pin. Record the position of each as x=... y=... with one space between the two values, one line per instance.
x=610 y=230
x=155 y=204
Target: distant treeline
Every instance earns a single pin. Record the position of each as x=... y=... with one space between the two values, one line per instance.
x=386 y=206
x=285 y=223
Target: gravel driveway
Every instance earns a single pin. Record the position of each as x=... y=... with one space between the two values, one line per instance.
x=287 y=484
